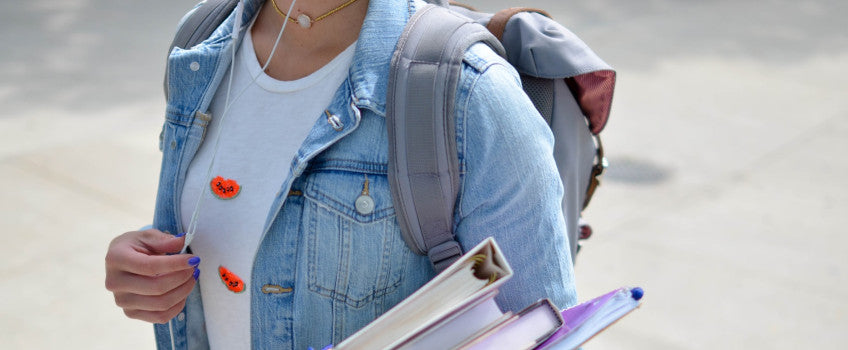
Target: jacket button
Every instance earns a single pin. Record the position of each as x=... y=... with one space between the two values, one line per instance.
x=194 y=66
x=364 y=204
x=181 y=317
x=334 y=121
x=275 y=289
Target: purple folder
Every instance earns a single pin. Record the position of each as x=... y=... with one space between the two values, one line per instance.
x=583 y=321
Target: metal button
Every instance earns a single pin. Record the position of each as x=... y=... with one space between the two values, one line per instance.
x=194 y=66
x=173 y=144
x=275 y=289
x=181 y=317
x=334 y=121
x=364 y=204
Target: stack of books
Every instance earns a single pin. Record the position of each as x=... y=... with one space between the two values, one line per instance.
x=457 y=310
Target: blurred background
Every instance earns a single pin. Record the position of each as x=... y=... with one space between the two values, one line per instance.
x=726 y=199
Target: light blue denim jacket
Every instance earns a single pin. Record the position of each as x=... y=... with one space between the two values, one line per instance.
x=323 y=270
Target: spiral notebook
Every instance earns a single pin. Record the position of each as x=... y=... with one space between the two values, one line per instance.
x=584 y=321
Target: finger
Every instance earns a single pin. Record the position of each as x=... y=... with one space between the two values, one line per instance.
x=156 y=316
x=158 y=303
x=158 y=242
x=125 y=282
x=139 y=263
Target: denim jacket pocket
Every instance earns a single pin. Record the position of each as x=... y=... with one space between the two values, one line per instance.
x=355 y=253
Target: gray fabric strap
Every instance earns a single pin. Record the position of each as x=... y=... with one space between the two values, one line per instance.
x=423 y=164
x=199 y=25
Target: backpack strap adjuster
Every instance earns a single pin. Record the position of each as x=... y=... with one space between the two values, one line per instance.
x=444 y=254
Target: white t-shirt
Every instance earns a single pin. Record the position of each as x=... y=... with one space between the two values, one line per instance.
x=263 y=130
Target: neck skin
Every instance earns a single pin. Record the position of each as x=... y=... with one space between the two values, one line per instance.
x=302 y=51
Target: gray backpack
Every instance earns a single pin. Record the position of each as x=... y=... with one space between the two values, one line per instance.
x=569 y=85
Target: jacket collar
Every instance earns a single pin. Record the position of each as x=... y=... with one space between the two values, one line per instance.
x=368 y=76
x=369 y=72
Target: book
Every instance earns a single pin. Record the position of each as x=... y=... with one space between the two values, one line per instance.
x=584 y=321
x=457 y=326
x=485 y=326
x=457 y=310
x=525 y=330
x=474 y=276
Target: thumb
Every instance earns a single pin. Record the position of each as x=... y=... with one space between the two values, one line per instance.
x=158 y=242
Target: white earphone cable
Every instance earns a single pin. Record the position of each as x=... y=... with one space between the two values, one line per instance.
x=192 y=228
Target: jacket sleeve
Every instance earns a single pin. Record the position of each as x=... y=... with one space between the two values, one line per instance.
x=510 y=188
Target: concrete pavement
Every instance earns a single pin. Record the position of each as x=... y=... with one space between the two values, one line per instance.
x=725 y=198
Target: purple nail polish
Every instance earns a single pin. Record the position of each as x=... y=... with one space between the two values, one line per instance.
x=196 y=273
x=194 y=261
x=180 y=235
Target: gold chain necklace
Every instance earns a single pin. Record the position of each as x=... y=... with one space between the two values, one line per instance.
x=305 y=21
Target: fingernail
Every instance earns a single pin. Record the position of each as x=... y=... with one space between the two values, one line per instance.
x=180 y=235
x=194 y=261
x=196 y=273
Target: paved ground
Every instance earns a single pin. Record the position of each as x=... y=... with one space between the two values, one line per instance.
x=726 y=198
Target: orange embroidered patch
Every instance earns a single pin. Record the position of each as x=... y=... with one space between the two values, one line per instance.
x=225 y=188
x=231 y=280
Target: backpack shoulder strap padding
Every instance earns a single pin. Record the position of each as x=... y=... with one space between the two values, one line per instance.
x=200 y=24
x=423 y=161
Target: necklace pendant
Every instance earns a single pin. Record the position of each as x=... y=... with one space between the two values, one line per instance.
x=304 y=21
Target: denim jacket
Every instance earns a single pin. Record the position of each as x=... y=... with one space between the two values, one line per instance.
x=323 y=270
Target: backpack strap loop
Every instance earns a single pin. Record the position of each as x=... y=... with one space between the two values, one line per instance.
x=497 y=24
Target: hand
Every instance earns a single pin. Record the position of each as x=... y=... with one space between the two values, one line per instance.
x=147 y=283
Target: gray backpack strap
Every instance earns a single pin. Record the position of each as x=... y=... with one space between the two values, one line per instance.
x=423 y=163
x=199 y=25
